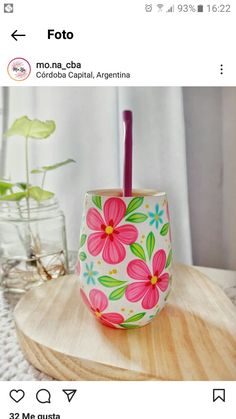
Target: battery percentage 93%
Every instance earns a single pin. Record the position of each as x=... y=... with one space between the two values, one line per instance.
x=186 y=8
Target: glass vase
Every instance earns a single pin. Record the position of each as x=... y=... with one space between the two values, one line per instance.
x=33 y=245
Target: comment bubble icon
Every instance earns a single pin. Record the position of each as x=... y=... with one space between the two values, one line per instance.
x=43 y=396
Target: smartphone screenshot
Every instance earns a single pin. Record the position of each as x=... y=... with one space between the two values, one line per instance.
x=117 y=209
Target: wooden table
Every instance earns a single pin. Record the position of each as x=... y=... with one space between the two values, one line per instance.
x=226 y=280
x=193 y=338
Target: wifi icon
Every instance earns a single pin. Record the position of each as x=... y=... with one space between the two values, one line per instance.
x=160 y=7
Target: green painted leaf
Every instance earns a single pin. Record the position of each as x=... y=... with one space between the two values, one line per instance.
x=82 y=256
x=14 y=196
x=39 y=194
x=44 y=169
x=137 y=217
x=134 y=204
x=150 y=244
x=5 y=186
x=97 y=200
x=110 y=282
x=83 y=239
x=117 y=294
x=167 y=295
x=135 y=318
x=164 y=229
x=128 y=326
x=138 y=251
x=32 y=128
x=169 y=258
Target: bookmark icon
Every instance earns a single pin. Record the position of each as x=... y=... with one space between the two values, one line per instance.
x=69 y=394
x=219 y=393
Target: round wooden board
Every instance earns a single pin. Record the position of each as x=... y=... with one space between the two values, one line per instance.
x=193 y=338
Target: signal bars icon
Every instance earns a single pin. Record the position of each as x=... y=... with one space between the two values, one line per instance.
x=171 y=9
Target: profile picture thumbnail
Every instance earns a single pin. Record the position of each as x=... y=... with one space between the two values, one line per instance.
x=19 y=69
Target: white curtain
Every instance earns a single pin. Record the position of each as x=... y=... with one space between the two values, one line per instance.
x=183 y=143
x=210 y=121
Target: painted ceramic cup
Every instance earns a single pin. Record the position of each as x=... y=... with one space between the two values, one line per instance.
x=124 y=263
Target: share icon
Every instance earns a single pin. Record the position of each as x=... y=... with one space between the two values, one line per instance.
x=69 y=394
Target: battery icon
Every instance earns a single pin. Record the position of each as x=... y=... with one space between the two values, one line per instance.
x=200 y=8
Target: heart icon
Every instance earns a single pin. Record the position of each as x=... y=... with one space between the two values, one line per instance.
x=17 y=395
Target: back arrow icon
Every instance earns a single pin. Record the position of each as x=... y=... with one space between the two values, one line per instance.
x=15 y=34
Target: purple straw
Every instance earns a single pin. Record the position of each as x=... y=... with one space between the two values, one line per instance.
x=128 y=120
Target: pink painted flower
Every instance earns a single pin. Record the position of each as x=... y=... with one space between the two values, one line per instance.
x=109 y=238
x=97 y=303
x=148 y=284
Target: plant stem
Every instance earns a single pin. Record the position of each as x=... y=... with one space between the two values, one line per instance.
x=30 y=236
x=20 y=214
x=27 y=173
x=27 y=194
x=43 y=180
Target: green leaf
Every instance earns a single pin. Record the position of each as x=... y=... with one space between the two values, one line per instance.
x=21 y=185
x=169 y=258
x=82 y=256
x=117 y=294
x=164 y=229
x=135 y=318
x=82 y=239
x=37 y=171
x=134 y=204
x=137 y=250
x=39 y=194
x=128 y=326
x=138 y=217
x=97 y=200
x=150 y=244
x=32 y=128
x=5 y=186
x=110 y=282
x=53 y=166
x=20 y=126
x=14 y=196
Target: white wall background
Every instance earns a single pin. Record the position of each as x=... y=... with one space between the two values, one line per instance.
x=184 y=143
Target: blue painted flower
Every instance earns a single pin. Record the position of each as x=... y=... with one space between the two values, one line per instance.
x=90 y=274
x=156 y=217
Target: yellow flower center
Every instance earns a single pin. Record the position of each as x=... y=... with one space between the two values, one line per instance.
x=90 y=273
x=98 y=314
x=156 y=217
x=109 y=230
x=154 y=280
